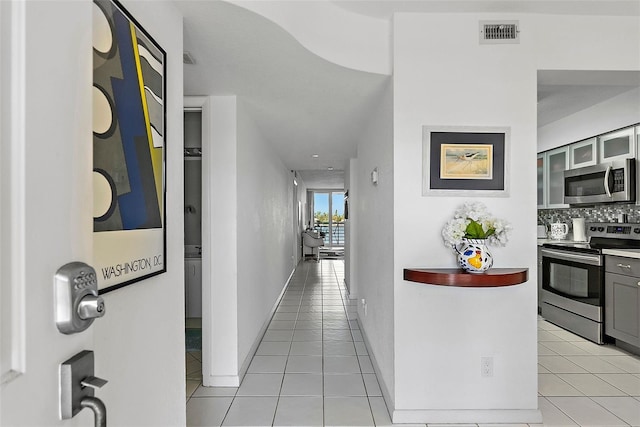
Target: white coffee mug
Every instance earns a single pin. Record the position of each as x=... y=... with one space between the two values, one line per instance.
x=558 y=230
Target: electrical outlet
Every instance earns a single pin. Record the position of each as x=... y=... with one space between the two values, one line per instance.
x=486 y=367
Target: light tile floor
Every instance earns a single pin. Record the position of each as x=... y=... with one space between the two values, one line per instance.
x=313 y=369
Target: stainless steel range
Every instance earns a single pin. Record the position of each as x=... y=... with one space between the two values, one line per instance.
x=573 y=278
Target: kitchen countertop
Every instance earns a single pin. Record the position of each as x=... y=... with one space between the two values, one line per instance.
x=568 y=241
x=628 y=253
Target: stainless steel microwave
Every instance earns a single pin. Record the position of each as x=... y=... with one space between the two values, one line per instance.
x=604 y=183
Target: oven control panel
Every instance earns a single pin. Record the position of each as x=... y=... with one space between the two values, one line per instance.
x=614 y=230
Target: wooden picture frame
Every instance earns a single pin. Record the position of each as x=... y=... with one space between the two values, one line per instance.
x=465 y=161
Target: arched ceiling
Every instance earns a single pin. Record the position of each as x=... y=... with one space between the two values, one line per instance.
x=300 y=102
x=305 y=105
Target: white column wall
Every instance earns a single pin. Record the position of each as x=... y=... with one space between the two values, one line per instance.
x=374 y=238
x=222 y=293
x=447 y=78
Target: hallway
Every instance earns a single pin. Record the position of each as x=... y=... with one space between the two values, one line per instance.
x=312 y=369
x=312 y=366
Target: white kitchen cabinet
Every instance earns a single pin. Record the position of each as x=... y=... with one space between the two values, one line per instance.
x=617 y=145
x=557 y=163
x=193 y=287
x=583 y=153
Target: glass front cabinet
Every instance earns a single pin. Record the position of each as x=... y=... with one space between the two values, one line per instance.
x=542 y=181
x=583 y=153
x=557 y=163
x=617 y=145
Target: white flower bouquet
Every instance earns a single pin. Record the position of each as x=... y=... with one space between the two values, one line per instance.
x=473 y=221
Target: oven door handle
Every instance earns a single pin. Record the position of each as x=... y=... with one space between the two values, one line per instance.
x=573 y=256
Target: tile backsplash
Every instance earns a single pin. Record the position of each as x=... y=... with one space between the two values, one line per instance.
x=602 y=213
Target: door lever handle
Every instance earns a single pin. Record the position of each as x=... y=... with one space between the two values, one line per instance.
x=77 y=388
x=93 y=382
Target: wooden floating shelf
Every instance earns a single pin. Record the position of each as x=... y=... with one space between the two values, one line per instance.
x=492 y=278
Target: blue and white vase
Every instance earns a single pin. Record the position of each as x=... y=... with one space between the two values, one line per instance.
x=473 y=256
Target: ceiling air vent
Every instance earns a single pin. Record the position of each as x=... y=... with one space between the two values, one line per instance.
x=499 y=32
x=187 y=58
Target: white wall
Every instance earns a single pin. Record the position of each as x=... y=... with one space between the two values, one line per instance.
x=617 y=112
x=251 y=238
x=265 y=232
x=440 y=332
x=139 y=344
x=372 y=207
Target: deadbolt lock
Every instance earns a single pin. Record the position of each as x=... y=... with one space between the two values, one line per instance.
x=77 y=299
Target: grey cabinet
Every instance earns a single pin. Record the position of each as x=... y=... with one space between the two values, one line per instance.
x=622 y=299
x=539 y=279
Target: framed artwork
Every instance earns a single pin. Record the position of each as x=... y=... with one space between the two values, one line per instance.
x=129 y=168
x=465 y=161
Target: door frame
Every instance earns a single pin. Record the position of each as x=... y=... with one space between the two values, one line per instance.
x=330 y=207
x=12 y=190
x=202 y=103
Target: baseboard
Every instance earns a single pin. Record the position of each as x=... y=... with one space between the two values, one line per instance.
x=222 y=381
x=471 y=416
x=256 y=343
x=628 y=347
x=388 y=399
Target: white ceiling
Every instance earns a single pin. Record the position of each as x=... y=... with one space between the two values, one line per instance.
x=323 y=179
x=301 y=103
x=562 y=93
x=384 y=9
x=305 y=105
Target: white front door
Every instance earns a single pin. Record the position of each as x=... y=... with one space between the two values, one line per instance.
x=46 y=184
x=46 y=221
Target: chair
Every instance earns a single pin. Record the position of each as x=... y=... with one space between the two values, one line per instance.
x=312 y=239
